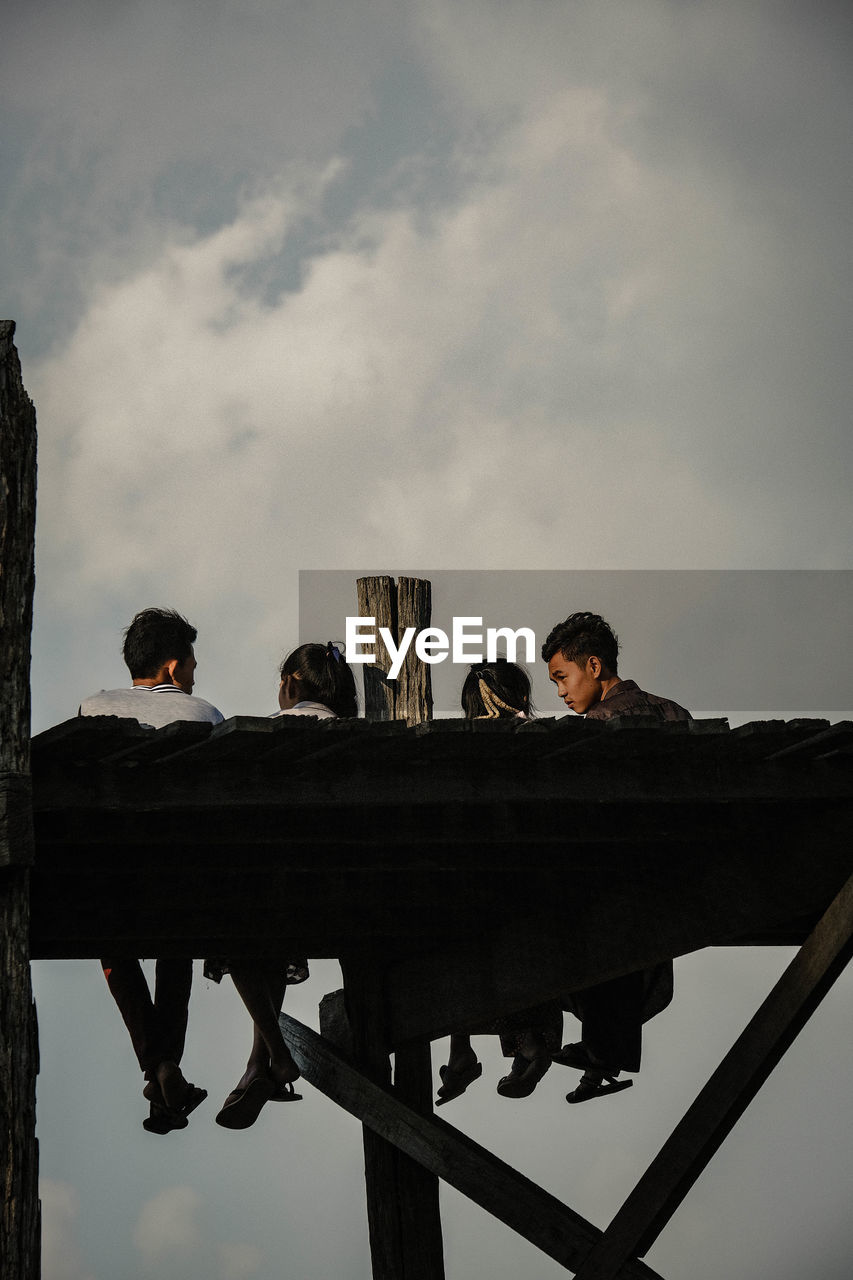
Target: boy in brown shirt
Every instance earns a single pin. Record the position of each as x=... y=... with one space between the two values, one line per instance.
x=582 y=656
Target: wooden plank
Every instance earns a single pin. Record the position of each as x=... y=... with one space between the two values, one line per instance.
x=536 y=1215
x=159 y=744
x=817 y=745
x=728 y=1093
x=85 y=740
x=243 y=738
x=20 y=1227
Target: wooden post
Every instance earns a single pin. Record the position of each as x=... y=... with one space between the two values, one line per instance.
x=407 y=603
x=20 y=1228
x=414 y=689
x=402 y=1197
x=377 y=598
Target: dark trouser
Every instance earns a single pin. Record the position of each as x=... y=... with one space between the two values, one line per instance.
x=544 y=1019
x=611 y=1015
x=157 y=1028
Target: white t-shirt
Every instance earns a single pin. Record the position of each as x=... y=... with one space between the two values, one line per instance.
x=318 y=709
x=152 y=705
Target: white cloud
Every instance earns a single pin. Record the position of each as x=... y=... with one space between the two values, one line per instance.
x=591 y=342
x=169 y=1226
x=61 y=1252
x=240 y=1261
x=172 y=1233
x=521 y=334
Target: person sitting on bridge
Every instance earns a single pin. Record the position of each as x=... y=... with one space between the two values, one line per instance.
x=582 y=654
x=158 y=650
x=314 y=680
x=501 y=691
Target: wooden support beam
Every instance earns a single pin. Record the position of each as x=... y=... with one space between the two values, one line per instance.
x=20 y=1227
x=403 y=1213
x=535 y=1214
x=728 y=1093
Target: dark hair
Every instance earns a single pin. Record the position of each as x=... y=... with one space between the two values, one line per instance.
x=155 y=637
x=509 y=683
x=582 y=636
x=325 y=676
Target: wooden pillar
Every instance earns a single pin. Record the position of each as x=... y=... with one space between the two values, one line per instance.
x=396 y=605
x=402 y=1196
x=377 y=598
x=20 y=1229
x=414 y=684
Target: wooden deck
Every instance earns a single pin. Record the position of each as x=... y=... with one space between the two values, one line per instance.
x=617 y=845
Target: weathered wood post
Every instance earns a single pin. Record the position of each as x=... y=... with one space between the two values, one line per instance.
x=406 y=603
x=377 y=598
x=20 y=1234
x=402 y=1197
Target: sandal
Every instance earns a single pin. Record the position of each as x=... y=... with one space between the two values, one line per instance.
x=454 y=1083
x=243 y=1106
x=164 y=1119
x=524 y=1076
x=286 y=1093
x=595 y=1084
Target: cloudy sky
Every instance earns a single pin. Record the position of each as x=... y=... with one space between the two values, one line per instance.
x=482 y=284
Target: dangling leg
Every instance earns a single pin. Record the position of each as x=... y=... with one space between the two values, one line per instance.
x=462 y=1069
x=270 y=1070
x=157 y=1030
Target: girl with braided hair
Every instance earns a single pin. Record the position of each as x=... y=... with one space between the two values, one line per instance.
x=500 y=690
x=497 y=690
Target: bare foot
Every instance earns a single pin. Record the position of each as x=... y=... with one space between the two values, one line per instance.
x=463 y=1061
x=173 y=1086
x=254 y=1071
x=284 y=1070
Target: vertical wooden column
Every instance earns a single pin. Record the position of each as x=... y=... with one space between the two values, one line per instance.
x=414 y=685
x=20 y=1233
x=396 y=605
x=377 y=598
x=402 y=1197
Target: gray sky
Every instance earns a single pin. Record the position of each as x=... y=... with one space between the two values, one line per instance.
x=483 y=284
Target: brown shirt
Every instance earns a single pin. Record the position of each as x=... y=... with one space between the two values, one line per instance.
x=627 y=699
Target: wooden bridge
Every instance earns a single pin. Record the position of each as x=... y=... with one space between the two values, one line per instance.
x=459 y=870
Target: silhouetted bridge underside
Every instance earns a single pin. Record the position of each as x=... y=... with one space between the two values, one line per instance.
x=460 y=870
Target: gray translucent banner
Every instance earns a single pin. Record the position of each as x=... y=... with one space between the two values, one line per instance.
x=747 y=644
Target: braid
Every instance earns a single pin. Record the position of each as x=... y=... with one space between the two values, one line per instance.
x=493 y=704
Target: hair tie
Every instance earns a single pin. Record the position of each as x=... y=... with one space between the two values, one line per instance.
x=333 y=651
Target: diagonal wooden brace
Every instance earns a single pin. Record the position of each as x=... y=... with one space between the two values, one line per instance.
x=535 y=1214
x=727 y=1094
